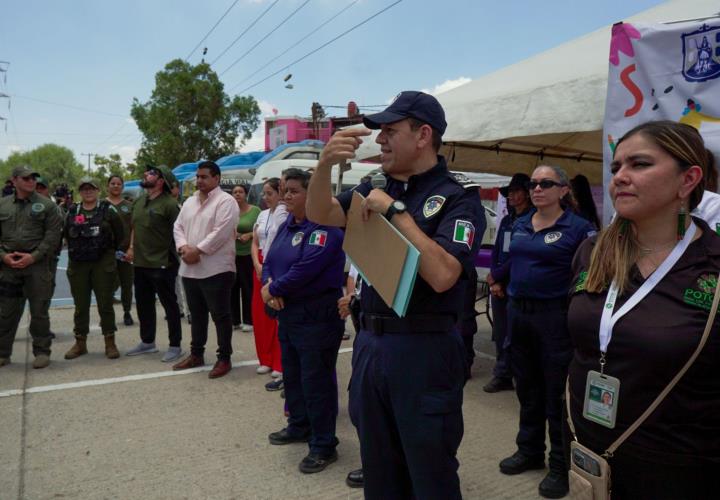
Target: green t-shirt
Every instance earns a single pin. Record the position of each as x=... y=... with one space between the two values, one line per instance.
x=124 y=210
x=245 y=225
x=153 y=221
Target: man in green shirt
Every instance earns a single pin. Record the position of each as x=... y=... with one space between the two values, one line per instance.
x=152 y=251
x=30 y=228
x=123 y=207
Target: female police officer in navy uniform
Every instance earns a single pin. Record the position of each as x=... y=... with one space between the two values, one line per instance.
x=303 y=275
x=542 y=247
x=408 y=373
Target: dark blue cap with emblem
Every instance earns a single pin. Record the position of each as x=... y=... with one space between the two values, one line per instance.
x=410 y=104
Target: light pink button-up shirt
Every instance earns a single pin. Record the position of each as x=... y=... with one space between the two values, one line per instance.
x=210 y=226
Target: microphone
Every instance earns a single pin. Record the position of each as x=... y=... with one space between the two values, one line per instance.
x=378 y=181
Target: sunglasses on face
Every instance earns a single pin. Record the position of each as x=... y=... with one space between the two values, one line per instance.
x=544 y=184
x=153 y=172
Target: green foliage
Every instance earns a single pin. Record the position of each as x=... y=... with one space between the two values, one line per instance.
x=57 y=164
x=189 y=117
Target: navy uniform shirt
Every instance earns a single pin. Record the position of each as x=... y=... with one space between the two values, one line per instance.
x=304 y=260
x=500 y=257
x=447 y=208
x=540 y=262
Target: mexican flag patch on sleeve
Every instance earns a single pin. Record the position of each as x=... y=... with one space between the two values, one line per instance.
x=318 y=238
x=464 y=232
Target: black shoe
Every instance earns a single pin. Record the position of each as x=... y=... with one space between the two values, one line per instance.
x=127 y=319
x=52 y=335
x=499 y=384
x=275 y=385
x=355 y=479
x=555 y=485
x=518 y=463
x=315 y=462
x=283 y=437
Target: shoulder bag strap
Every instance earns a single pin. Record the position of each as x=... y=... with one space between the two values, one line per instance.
x=708 y=327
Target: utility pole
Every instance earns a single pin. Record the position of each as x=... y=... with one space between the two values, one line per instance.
x=89 y=155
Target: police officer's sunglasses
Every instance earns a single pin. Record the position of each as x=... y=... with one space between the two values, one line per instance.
x=544 y=184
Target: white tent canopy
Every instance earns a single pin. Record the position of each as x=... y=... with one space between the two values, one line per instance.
x=546 y=109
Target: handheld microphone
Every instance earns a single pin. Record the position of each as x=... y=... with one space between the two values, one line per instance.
x=378 y=181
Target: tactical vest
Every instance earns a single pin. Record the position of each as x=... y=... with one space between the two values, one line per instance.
x=87 y=241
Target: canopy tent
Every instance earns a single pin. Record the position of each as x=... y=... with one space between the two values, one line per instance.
x=546 y=109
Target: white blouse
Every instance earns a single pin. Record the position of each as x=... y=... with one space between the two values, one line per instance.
x=267 y=225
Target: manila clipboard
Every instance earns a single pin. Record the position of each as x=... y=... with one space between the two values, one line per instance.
x=384 y=257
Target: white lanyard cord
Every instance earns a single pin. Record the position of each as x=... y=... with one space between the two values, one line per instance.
x=608 y=318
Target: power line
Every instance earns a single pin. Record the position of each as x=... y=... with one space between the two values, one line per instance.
x=211 y=30
x=265 y=37
x=246 y=30
x=77 y=108
x=292 y=46
x=317 y=49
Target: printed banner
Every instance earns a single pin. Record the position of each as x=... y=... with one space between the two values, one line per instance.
x=662 y=72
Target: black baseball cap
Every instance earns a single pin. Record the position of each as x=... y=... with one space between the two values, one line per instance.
x=410 y=104
x=517 y=181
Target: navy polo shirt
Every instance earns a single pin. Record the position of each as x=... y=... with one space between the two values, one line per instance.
x=540 y=261
x=500 y=257
x=449 y=212
x=304 y=260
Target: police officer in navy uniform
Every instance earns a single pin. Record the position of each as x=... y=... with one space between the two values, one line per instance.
x=406 y=390
x=542 y=247
x=303 y=276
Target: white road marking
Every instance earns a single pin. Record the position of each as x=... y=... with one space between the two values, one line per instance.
x=127 y=378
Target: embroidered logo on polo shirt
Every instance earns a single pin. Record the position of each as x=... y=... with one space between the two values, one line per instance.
x=703 y=295
x=433 y=205
x=37 y=207
x=318 y=238
x=580 y=284
x=124 y=209
x=551 y=238
x=464 y=232
x=297 y=239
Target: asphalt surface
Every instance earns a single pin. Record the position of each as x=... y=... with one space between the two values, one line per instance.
x=94 y=428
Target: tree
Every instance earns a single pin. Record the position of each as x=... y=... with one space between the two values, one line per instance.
x=57 y=164
x=111 y=165
x=189 y=117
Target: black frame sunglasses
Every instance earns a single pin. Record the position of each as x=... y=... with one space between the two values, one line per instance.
x=544 y=184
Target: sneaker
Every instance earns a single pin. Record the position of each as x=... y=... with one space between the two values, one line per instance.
x=172 y=354
x=275 y=385
x=127 y=319
x=262 y=370
x=276 y=374
x=555 y=485
x=499 y=384
x=317 y=462
x=4 y=361
x=41 y=361
x=247 y=328
x=519 y=463
x=142 y=348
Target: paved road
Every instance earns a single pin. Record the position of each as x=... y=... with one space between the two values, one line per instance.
x=130 y=428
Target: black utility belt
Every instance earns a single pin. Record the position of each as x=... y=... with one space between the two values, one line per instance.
x=423 y=323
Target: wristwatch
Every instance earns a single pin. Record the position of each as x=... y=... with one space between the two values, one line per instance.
x=396 y=207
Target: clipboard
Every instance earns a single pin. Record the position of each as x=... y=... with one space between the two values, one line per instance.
x=385 y=259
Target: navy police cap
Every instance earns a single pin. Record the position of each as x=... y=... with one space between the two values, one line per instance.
x=410 y=104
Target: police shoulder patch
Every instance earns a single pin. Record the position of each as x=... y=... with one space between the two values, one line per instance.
x=37 y=207
x=318 y=238
x=433 y=205
x=297 y=238
x=464 y=180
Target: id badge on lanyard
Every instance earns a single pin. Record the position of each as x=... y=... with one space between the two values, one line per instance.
x=602 y=392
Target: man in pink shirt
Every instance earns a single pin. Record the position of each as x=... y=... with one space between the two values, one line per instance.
x=205 y=239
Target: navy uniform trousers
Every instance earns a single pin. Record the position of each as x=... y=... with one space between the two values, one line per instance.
x=310 y=331
x=541 y=351
x=406 y=401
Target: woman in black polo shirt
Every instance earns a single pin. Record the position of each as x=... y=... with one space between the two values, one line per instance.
x=658 y=178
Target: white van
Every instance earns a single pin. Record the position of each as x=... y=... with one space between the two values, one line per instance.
x=268 y=170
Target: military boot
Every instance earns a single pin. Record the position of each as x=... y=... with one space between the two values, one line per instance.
x=78 y=349
x=111 y=350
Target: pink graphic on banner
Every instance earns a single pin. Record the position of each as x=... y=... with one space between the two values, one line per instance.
x=622 y=35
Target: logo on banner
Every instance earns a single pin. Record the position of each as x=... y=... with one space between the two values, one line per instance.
x=318 y=238
x=464 y=232
x=701 y=54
